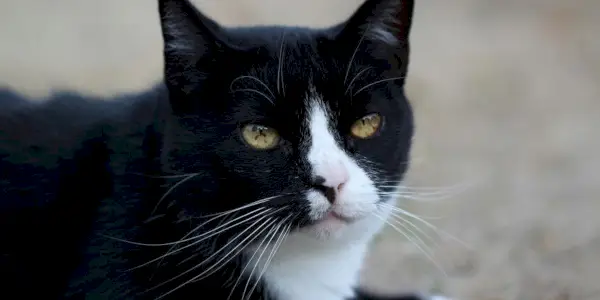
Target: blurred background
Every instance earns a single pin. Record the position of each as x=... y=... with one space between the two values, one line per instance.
x=505 y=92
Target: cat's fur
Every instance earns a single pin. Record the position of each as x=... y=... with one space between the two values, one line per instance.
x=89 y=189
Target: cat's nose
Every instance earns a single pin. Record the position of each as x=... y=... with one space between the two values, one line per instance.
x=330 y=187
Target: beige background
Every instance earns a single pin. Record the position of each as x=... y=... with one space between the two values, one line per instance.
x=504 y=91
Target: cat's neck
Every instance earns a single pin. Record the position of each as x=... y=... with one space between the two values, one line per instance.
x=304 y=267
x=331 y=273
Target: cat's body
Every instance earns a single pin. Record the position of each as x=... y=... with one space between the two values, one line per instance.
x=60 y=172
x=262 y=169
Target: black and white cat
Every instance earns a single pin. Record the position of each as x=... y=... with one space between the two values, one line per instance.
x=262 y=169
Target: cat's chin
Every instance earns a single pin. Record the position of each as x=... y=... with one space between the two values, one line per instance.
x=338 y=228
x=342 y=224
x=331 y=226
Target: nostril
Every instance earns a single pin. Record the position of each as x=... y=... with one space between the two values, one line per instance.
x=327 y=191
x=319 y=181
x=330 y=194
x=330 y=189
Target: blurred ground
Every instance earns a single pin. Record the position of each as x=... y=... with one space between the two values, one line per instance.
x=507 y=91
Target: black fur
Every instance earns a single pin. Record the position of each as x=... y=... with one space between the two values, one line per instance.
x=80 y=176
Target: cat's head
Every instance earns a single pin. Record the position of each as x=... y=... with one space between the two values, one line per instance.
x=306 y=129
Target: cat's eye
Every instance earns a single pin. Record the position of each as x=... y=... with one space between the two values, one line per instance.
x=366 y=126
x=260 y=137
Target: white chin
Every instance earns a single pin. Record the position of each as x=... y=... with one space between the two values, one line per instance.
x=328 y=229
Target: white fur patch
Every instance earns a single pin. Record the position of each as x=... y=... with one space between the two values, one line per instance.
x=324 y=261
x=358 y=197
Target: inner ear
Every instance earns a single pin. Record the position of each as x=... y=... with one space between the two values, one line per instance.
x=186 y=31
x=190 y=40
x=382 y=21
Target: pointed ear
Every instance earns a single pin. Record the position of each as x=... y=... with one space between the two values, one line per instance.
x=381 y=27
x=384 y=21
x=190 y=39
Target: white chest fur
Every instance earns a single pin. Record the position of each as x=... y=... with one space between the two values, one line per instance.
x=303 y=270
x=305 y=267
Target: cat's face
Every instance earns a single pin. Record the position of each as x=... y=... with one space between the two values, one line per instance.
x=304 y=129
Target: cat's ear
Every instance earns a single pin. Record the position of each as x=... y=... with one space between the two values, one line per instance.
x=190 y=40
x=380 y=24
x=385 y=21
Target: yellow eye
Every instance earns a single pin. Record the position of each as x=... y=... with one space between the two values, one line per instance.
x=366 y=126
x=260 y=137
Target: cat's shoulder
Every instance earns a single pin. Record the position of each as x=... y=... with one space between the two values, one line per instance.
x=42 y=141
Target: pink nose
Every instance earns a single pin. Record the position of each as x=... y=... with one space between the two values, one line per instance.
x=335 y=174
x=338 y=185
x=332 y=184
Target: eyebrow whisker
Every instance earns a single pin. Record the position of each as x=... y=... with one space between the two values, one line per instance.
x=252 y=78
x=255 y=91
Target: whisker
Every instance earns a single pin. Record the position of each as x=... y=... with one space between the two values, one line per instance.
x=258 y=260
x=211 y=233
x=171 y=189
x=426 y=253
x=274 y=250
x=413 y=193
x=418 y=197
x=424 y=189
x=202 y=237
x=420 y=193
x=405 y=222
x=355 y=77
x=362 y=37
x=377 y=82
x=250 y=260
x=431 y=226
x=280 y=83
x=397 y=209
x=424 y=197
x=176 y=242
x=455 y=187
x=214 y=216
x=411 y=235
x=207 y=259
x=154 y=218
x=255 y=91
x=231 y=257
x=255 y=79
x=164 y=176
x=257 y=202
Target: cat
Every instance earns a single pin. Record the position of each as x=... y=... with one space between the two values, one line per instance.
x=261 y=168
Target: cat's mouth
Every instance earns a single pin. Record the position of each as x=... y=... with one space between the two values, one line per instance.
x=332 y=216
